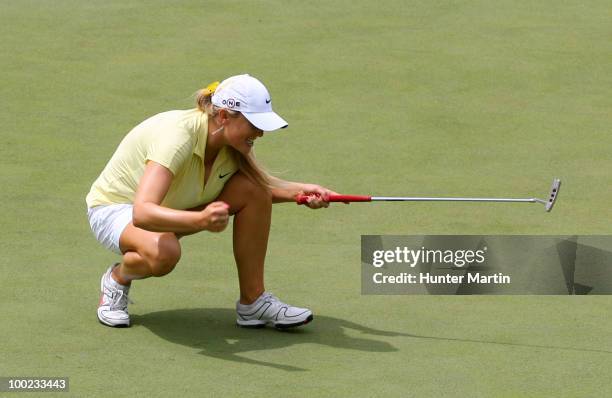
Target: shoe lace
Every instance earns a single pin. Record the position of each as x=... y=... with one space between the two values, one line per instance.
x=272 y=298
x=118 y=297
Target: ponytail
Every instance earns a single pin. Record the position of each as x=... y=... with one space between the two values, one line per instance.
x=204 y=98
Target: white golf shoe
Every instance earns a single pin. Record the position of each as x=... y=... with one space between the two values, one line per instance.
x=269 y=310
x=112 y=308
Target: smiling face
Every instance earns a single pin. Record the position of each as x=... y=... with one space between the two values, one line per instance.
x=241 y=134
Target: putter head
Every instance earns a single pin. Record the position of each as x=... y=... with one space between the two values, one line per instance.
x=554 y=191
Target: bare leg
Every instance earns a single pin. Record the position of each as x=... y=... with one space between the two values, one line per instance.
x=149 y=254
x=252 y=210
x=146 y=254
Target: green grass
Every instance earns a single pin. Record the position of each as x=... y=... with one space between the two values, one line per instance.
x=445 y=98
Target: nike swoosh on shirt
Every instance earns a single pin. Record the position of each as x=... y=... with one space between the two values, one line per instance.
x=268 y=101
x=224 y=175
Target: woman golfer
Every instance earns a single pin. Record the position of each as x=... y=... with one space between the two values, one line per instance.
x=186 y=171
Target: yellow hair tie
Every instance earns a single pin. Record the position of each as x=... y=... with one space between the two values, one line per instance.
x=210 y=89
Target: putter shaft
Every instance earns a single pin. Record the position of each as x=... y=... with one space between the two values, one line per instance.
x=424 y=199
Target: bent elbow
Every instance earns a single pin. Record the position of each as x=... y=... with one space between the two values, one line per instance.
x=138 y=216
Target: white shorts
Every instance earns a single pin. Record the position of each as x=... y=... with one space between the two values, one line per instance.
x=108 y=222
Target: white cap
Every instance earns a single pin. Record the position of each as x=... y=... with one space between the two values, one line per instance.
x=247 y=95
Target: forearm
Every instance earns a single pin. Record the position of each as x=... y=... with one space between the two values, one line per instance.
x=156 y=218
x=284 y=191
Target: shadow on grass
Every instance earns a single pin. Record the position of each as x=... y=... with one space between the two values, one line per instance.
x=212 y=330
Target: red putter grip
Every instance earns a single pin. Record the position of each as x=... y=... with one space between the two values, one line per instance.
x=303 y=199
x=349 y=198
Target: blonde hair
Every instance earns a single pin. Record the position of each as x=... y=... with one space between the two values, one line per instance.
x=248 y=165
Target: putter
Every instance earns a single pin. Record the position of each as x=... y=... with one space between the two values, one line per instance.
x=548 y=203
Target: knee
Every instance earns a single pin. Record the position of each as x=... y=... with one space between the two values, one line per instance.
x=165 y=255
x=253 y=191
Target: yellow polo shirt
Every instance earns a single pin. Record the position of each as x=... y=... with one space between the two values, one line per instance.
x=176 y=140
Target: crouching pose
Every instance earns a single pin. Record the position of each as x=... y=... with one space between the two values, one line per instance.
x=185 y=171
